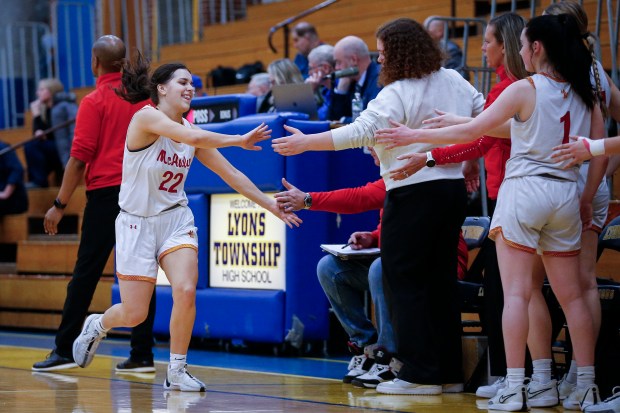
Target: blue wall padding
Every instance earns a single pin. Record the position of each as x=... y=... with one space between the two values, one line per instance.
x=224 y=313
x=253 y=315
x=241 y=104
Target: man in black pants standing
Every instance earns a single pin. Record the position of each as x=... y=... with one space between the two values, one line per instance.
x=96 y=154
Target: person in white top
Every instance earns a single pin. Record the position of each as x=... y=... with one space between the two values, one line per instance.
x=423 y=213
x=538 y=207
x=155 y=226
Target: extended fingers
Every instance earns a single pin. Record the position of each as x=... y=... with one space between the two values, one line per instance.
x=394 y=123
x=292 y=130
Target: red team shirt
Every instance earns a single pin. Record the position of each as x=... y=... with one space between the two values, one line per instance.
x=100 y=132
x=496 y=151
x=366 y=198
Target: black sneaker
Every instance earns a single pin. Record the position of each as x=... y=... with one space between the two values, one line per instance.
x=133 y=366
x=54 y=362
x=381 y=371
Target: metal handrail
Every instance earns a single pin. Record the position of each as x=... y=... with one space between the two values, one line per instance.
x=285 y=25
x=36 y=137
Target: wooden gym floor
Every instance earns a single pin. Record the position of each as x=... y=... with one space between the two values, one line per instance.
x=236 y=383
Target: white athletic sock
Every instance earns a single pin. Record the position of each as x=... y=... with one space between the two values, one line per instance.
x=515 y=376
x=177 y=361
x=99 y=325
x=542 y=371
x=571 y=376
x=585 y=376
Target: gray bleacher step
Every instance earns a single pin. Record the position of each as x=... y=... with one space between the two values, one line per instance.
x=8 y=268
x=54 y=238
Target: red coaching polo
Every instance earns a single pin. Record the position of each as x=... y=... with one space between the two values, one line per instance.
x=100 y=131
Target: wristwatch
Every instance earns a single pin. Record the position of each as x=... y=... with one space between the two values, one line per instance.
x=430 y=161
x=59 y=204
x=307 y=201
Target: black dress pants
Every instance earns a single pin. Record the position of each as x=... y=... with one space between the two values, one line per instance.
x=96 y=243
x=420 y=234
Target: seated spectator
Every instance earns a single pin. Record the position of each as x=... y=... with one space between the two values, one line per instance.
x=13 y=198
x=351 y=51
x=197 y=82
x=52 y=107
x=284 y=72
x=281 y=72
x=321 y=63
x=305 y=38
x=260 y=86
x=454 y=59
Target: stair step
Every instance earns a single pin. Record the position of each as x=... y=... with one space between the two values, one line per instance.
x=68 y=225
x=47 y=292
x=13 y=228
x=41 y=199
x=55 y=238
x=8 y=267
x=36 y=301
x=45 y=257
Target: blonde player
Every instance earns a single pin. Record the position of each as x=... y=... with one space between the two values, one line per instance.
x=155 y=225
x=538 y=205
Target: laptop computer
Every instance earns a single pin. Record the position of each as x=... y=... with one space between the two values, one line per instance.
x=295 y=97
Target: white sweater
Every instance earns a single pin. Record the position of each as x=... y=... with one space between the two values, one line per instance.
x=410 y=102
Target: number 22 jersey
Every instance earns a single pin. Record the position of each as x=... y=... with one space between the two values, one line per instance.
x=154 y=176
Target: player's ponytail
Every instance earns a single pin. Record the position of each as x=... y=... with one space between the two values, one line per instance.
x=135 y=80
x=137 y=85
x=565 y=51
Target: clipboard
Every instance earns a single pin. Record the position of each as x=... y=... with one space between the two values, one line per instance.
x=347 y=253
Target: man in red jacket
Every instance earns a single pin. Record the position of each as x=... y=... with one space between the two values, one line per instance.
x=96 y=155
x=346 y=281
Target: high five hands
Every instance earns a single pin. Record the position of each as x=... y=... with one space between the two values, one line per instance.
x=290 y=145
x=259 y=133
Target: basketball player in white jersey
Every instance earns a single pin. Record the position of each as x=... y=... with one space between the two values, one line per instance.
x=155 y=226
x=538 y=206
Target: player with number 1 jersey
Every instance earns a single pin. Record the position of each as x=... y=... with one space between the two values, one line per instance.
x=558 y=114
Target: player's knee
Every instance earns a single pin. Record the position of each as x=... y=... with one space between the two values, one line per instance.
x=135 y=317
x=184 y=293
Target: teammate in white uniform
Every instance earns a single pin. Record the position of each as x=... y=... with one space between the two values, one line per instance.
x=589 y=237
x=531 y=168
x=155 y=226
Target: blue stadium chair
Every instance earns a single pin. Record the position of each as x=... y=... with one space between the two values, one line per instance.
x=475 y=231
x=610 y=237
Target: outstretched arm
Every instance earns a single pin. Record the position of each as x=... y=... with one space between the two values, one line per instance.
x=215 y=161
x=152 y=123
x=581 y=149
x=299 y=142
x=518 y=98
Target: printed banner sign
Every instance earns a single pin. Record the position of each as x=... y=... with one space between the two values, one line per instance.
x=246 y=246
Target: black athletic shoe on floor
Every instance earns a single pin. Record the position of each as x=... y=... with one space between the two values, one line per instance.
x=54 y=362
x=132 y=366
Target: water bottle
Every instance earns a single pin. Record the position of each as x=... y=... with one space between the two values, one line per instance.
x=357 y=106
